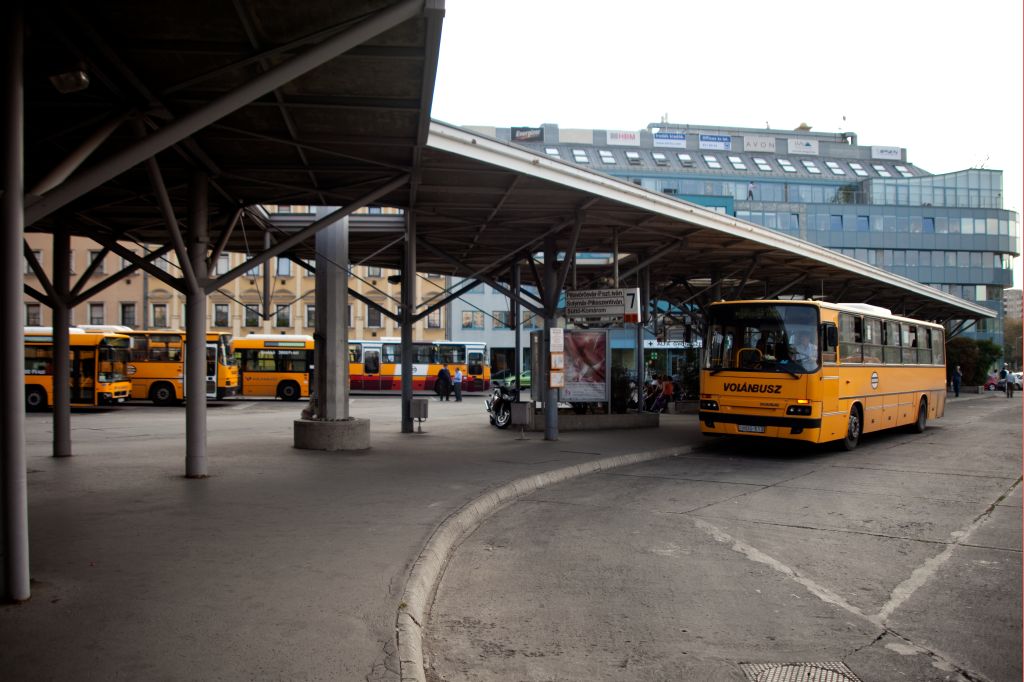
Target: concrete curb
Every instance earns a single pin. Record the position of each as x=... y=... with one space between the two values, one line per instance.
x=429 y=565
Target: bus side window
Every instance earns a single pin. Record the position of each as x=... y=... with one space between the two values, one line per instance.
x=371 y=362
x=891 y=355
x=829 y=337
x=872 y=341
x=851 y=338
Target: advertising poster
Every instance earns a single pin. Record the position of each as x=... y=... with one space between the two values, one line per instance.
x=586 y=366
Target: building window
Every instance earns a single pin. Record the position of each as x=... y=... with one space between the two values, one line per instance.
x=128 y=314
x=125 y=263
x=472 y=319
x=93 y=255
x=737 y=163
x=223 y=263
x=372 y=317
x=606 y=156
x=310 y=269
x=39 y=259
x=434 y=319
x=372 y=272
x=284 y=267
x=580 y=156
x=835 y=223
x=252 y=316
x=762 y=164
x=712 y=161
x=96 y=313
x=834 y=167
x=858 y=169
x=220 y=315
x=881 y=170
x=904 y=171
x=310 y=315
x=787 y=166
x=502 y=319
x=33 y=315
x=863 y=224
x=811 y=167
x=160 y=315
x=283 y=316
x=551 y=151
x=659 y=158
x=633 y=158
x=928 y=225
x=254 y=271
x=685 y=159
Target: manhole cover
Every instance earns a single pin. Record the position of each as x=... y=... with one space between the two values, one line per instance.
x=830 y=671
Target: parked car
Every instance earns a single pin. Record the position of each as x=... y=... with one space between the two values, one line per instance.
x=505 y=376
x=994 y=383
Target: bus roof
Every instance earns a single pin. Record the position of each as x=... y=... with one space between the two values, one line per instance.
x=858 y=308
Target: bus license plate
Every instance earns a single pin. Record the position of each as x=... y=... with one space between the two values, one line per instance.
x=745 y=428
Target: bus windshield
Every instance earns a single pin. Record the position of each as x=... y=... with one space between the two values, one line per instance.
x=113 y=363
x=763 y=337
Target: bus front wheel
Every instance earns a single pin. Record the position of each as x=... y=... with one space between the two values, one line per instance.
x=35 y=399
x=854 y=427
x=162 y=394
x=922 y=417
x=288 y=390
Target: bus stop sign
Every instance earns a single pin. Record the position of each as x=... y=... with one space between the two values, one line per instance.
x=603 y=304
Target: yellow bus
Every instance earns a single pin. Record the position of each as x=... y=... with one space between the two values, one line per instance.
x=157 y=367
x=376 y=365
x=99 y=366
x=818 y=372
x=274 y=365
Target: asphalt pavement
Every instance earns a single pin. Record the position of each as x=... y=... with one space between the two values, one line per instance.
x=288 y=564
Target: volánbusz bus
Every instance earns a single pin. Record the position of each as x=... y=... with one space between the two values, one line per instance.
x=274 y=365
x=157 y=365
x=98 y=368
x=867 y=370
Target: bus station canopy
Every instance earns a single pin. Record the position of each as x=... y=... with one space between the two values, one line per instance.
x=327 y=103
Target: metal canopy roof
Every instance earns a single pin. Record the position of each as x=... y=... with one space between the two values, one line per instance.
x=327 y=103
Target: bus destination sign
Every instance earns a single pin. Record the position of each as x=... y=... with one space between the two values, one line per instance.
x=603 y=304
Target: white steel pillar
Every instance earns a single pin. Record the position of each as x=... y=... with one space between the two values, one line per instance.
x=331 y=362
x=195 y=330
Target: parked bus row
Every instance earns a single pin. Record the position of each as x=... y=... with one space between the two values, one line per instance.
x=110 y=364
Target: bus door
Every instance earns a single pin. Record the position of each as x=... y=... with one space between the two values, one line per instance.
x=211 y=370
x=83 y=376
x=475 y=369
x=371 y=369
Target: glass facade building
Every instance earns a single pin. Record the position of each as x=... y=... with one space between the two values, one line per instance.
x=947 y=230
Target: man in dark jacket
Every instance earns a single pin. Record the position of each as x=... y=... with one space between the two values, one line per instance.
x=443 y=385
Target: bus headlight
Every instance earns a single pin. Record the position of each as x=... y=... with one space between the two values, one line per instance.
x=799 y=410
x=709 y=404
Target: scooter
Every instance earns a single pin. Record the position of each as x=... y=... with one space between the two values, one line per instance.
x=499 y=405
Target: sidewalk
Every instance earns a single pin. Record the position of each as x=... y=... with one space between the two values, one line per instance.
x=284 y=564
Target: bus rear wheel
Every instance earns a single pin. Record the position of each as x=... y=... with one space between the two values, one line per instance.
x=854 y=428
x=288 y=390
x=162 y=394
x=35 y=399
x=922 y=417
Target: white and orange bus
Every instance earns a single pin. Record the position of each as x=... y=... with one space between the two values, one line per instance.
x=157 y=365
x=376 y=365
x=274 y=365
x=818 y=372
x=99 y=366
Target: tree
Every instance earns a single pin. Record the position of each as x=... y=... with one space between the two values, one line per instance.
x=975 y=358
x=1013 y=340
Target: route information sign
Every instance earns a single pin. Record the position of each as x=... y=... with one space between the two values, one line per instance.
x=603 y=304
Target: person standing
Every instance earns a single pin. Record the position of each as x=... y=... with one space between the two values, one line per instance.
x=1006 y=376
x=957 y=378
x=444 y=383
x=750 y=191
x=458 y=384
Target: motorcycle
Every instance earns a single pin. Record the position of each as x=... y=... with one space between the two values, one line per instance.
x=499 y=405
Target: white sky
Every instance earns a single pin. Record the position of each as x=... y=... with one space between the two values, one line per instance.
x=942 y=79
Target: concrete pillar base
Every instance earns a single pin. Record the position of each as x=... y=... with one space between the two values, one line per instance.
x=345 y=434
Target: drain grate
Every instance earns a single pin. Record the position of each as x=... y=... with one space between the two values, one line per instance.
x=828 y=671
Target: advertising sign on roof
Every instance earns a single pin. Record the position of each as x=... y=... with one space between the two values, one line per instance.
x=527 y=134
x=624 y=138
x=603 y=304
x=759 y=143
x=803 y=147
x=890 y=153
x=720 y=142
x=674 y=140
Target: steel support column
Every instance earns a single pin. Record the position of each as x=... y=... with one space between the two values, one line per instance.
x=13 y=475
x=195 y=330
x=408 y=309
x=61 y=345
x=331 y=362
x=641 y=373
x=517 y=361
x=550 y=304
